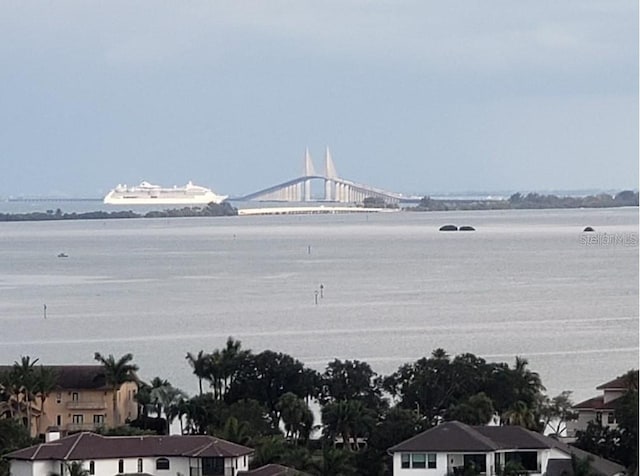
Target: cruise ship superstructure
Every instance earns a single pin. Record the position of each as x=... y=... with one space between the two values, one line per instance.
x=149 y=194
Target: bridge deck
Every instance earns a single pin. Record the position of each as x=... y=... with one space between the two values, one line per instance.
x=309 y=210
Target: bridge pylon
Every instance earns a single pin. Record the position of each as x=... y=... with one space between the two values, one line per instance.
x=330 y=174
x=309 y=171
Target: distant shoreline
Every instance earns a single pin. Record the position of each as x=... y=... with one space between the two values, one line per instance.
x=517 y=201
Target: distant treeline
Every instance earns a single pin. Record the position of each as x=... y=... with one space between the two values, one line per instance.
x=210 y=210
x=626 y=198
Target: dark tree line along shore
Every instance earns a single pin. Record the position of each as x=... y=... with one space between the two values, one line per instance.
x=263 y=401
x=626 y=198
x=210 y=210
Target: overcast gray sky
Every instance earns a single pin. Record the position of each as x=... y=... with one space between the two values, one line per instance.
x=413 y=96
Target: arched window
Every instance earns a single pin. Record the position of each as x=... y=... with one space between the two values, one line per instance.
x=139 y=465
x=92 y=467
x=121 y=466
x=162 y=463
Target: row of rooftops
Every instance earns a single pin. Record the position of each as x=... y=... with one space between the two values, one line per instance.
x=447 y=437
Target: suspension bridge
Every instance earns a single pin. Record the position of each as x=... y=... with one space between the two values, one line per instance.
x=333 y=188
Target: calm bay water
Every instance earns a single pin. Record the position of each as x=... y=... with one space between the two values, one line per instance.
x=395 y=288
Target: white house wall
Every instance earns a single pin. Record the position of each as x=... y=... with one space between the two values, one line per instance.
x=178 y=466
x=439 y=470
x=22 y=468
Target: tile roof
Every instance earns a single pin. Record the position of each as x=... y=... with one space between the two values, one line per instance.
x=448 y=436
x=514 y=437
x=600 y=466
x=618 y=383
x=85 y=446
x=597 y=403
x=272 y=470
x=74 y=376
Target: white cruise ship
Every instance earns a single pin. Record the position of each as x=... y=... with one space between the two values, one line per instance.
x=149 y=194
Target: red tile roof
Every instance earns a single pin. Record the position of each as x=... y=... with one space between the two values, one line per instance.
x=596 y=403
x=85 y=446
x=74 y=377
x=618 y=383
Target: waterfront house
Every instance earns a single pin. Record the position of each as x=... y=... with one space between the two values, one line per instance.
x=151 y=455
x=81 y=401
x=600 y=409
x=452 y=448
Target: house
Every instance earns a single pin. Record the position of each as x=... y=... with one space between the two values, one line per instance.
x=152 y=455
x=600 y=409
x=81 y=401
x=272 y=470
x=452 y=447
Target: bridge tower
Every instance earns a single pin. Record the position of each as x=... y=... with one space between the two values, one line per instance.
x=330 y=174
x=309 y=171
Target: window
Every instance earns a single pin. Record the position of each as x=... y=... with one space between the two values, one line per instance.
x=431 y=461
x=59 y=420
x=599 y=417
x=92 y=467
x=78 y=419
x=58 y=397
x=212 y=466
x=405 y=460
x=476 y=461
x=418 y=460
x=98 y=419
x=120 y=466
x=162 y=463
x=139 y=465
x=528 y=459
x=75 y=397
x=611 y=418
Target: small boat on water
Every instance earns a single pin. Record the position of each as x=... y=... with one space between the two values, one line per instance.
x=63 y=255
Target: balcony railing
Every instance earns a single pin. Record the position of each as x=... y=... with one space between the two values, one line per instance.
x=86 y=405
x=83 y=426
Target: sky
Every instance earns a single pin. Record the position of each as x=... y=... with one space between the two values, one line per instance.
x=412 y=96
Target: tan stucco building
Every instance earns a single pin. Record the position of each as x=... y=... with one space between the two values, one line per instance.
x=82 y=401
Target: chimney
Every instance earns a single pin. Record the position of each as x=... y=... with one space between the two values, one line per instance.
x=53 y=433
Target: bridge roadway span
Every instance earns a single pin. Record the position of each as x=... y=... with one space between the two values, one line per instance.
x=336 y=190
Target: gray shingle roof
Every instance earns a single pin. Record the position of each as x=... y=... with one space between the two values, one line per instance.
x=86 y=446
x=449 y=436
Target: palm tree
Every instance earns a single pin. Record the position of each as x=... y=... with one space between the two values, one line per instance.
x=200 y=366
x=23 y=372
x=296 y=416
x=46 y=380
x=165 y=396
x=230 y=359
x=117 y=372
x=346 y=418
x=520 y=414
x=236 y=431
